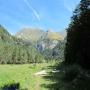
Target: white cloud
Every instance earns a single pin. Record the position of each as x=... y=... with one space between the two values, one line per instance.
x=33 y=10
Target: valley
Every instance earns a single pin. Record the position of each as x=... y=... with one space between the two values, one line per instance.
x=35 y=57
x=27 y=57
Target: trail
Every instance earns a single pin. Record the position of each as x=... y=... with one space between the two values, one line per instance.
x=41 y=73
x=44 y=72
x=38 y=76
x=38 y=83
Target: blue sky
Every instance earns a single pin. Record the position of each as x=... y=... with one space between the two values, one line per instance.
x=44 y=14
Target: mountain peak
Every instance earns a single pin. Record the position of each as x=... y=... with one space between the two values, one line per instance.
x=34 y=34
x=30 y=34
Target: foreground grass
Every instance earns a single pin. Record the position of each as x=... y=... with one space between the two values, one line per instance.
x=23 y=74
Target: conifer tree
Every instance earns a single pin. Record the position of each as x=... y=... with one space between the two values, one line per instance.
x=78 y=36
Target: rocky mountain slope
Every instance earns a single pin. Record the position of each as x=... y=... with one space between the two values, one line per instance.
x=41 y=39
x=30 y=34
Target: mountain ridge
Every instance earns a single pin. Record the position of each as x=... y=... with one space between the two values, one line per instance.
x=36 y=33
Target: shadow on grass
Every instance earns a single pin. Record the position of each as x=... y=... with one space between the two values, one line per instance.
x=15 y=86
x=55 y=78
x=71 y=77
x=11 y=87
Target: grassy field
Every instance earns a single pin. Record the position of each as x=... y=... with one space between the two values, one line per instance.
x=23 y=74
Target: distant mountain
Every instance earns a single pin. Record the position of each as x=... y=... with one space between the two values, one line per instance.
x=49 y=40
x=51 y=35
x=41 y=39
x=34 y=34
x=30 y=34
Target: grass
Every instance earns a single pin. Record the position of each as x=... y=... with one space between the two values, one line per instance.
x=23 y=74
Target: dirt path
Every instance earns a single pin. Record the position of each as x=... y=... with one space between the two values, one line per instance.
x=41 y=73
x=38 y=83
x=38 y=77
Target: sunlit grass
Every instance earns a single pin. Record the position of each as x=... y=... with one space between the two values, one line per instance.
x=23 y=74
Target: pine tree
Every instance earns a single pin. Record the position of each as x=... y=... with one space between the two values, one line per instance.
x=78 y=36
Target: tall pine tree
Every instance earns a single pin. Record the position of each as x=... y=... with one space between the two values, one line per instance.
x=78 y=36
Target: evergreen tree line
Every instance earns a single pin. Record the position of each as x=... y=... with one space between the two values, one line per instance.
x=17 y=51
x=57 y=53
x=18 y=54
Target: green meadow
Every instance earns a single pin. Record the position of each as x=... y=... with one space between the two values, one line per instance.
x=24 y=75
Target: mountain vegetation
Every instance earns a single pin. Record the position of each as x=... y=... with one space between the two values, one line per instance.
x=16 y=51
x=71 y=69
x=39 y=38
x=30 y=46
x=49 y=40
x=57 y=53
x=46 y=42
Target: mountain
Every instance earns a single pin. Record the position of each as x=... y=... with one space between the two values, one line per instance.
x=34 y=34
x=14 y=50
x=51 y=35
x=49 y=40
x=29 y=46
x=30 y=34
x=41 y=39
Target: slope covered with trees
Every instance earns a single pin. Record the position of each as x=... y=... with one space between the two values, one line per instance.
x=16 y=51
x=57 y=53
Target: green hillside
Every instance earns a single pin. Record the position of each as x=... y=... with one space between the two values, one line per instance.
x=4 y=35
x=16 y=51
